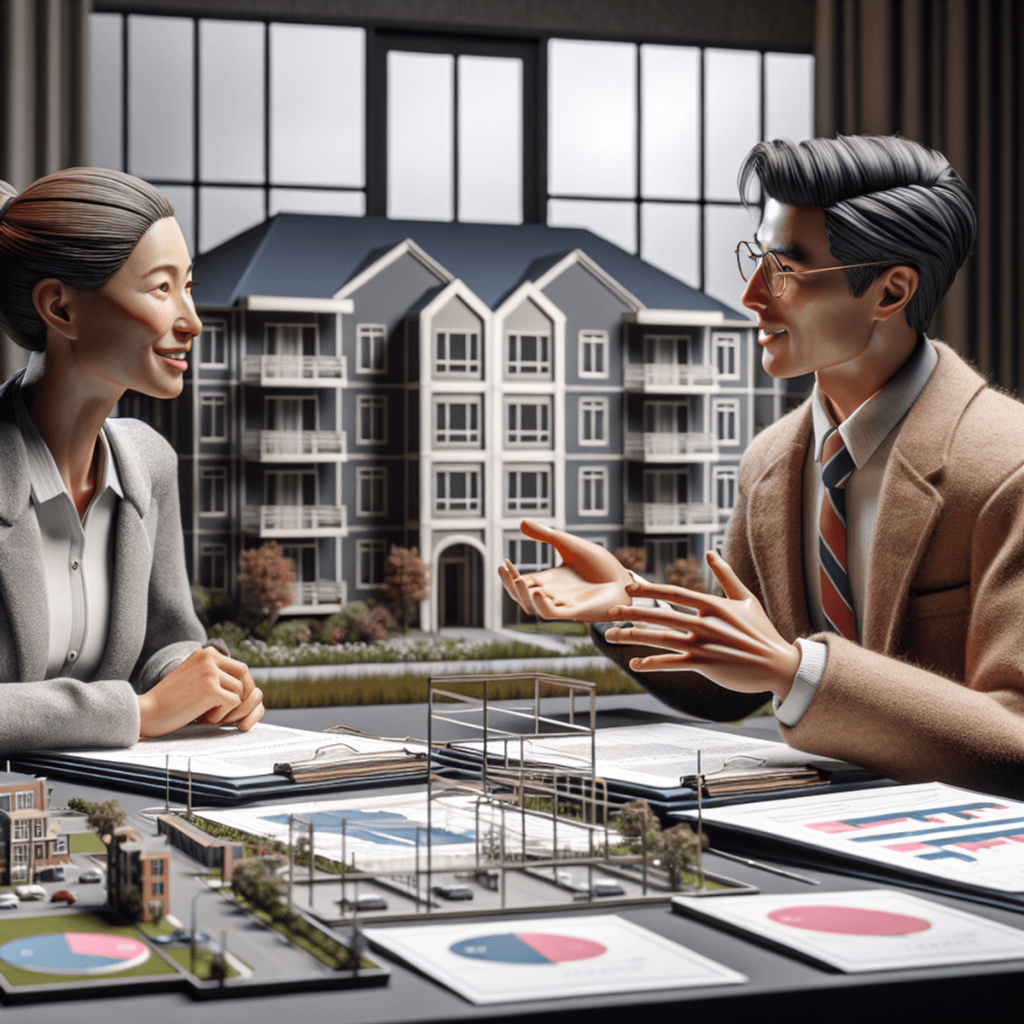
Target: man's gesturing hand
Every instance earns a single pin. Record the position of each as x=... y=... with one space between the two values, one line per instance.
x=208 y=686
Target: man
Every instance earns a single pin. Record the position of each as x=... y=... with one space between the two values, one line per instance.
x=879 y=603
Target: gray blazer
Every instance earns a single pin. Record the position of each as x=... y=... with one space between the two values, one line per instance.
x=153 y=626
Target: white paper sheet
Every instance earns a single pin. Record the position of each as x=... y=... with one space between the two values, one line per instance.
x=930 y=829
x=549 y=958
x=865 y=930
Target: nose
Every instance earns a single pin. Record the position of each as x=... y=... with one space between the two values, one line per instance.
x=756 y=295
x=188 y=322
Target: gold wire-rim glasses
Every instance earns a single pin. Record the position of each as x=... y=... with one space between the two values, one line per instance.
x=774 y=275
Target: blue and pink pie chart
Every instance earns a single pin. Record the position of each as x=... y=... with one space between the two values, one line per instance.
x=528 y=948
x=74 y=953
x=839 y=920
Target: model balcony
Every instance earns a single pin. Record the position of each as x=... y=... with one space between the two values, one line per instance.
x=321 y=598
x=294 y=371
x=271 y=521
x=671 y=378
x=669 y=517
x=294 y=445
x=665 y=446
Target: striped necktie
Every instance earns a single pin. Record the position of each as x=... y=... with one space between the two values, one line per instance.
x=836 y=598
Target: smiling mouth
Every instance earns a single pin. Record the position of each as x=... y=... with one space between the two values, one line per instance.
x=766 y=334
x=178 y=357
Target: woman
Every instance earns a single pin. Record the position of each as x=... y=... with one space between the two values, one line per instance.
x=99 y=643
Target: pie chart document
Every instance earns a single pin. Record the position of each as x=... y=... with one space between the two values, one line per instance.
x=863 y=930
x=549 y=958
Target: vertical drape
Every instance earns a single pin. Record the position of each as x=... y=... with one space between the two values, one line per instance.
x=943 y=72
x=44 y=100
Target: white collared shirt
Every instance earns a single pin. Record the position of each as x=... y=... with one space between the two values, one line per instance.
x=869 y=434
x=78 y=554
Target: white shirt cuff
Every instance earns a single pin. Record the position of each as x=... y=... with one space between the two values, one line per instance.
x=813 y=656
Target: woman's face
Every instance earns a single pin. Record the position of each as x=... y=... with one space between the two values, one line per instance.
x=136 y=329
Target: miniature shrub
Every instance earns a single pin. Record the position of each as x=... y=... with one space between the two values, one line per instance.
x=342 y=627
x=377 y=624
x=291 y=633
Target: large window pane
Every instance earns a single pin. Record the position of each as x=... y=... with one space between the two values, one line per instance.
x=317 y=105
x=670 y=126
x=225 y=212
x=231 y=101
x=105 y=90
x=614 y=221
x=724 y=226
x=491 y=139
x=160 y=98
x=732 y=117
x=788 y=96
x=592 y=118
x=671 y=239
x=421 y=139
x=311 y=200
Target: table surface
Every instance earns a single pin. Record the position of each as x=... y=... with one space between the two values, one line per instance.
x=779 y=983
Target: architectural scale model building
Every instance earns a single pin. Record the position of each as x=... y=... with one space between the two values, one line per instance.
x=28 y=843
x=139 y=863
x=365 y=382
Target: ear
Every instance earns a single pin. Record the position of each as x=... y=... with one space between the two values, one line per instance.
x=51 y=299
x=898 y=286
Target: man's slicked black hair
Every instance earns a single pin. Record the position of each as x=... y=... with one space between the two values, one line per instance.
x=884 y=198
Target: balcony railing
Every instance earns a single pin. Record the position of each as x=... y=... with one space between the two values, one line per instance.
x=294 y=520
x=670 y=445
x=294 y=445
x=289 y=369
x=327 y=593
x=654 y=516
x=666 y=376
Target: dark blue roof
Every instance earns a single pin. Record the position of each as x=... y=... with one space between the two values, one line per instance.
x=313 y=255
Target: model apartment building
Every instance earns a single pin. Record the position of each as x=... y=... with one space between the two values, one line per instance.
x=28 y=843
x=363 y=382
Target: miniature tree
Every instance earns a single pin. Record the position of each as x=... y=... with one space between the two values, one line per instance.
x=267 y=576
x=639 y=823
x=677 y=847
x=634 y=559
x=406 y=581
x=685 y=572
x=103 y=818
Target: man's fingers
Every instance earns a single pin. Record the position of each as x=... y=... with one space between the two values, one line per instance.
x=674 y=595
x=236 y=668
x=507 y=582
x=732 y=586
x=251 y=719
x=523 y=595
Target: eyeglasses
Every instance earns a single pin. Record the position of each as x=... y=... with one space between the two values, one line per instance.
x=749 y=260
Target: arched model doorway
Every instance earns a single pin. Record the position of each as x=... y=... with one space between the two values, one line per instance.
x=460 y=578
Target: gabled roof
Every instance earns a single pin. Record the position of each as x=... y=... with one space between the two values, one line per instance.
x=315 y=255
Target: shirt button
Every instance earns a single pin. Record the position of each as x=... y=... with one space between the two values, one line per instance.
x=74 y=564
x=72 y=655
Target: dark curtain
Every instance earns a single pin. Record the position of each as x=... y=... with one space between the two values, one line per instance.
x=943 y=72
x=44 y=100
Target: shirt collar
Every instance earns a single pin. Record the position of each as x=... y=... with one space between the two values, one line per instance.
x=870 y=423
x=42 y=470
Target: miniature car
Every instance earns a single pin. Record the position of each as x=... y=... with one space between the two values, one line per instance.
x=9 y=901
x=179 y=935
x=31 y=892
x=608 y=889
x=90 y=876
x=63 y=896
x=453 y=892
x=368 y=901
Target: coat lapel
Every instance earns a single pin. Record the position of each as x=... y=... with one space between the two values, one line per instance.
x=775 y=518
x=909 y=502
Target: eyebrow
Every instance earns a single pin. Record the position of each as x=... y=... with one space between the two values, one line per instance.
x=789 y=251
x=171 y=268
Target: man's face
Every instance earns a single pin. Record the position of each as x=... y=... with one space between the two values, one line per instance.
x=816 y=324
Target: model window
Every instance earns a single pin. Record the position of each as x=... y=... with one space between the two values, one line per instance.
x=213 y=485
x=19 y=854
x=724 y=484
x=457 y=422
x=213 y=349
x=593 y=421
x=528 y=555
x=156 y=867
x=528 y=490
x=370 y=556
x=528 y=421
x=213 y=566
x=727 y=355
x=23 y=801
x=529 y=354
x=38 y=828
x=372 y=419
x=289 y=339
x=158 y=888
x=593 y=491
x=593 y=353
x=457 y=490
x=458 y=352
x=213 y=420
x=726 y=414
x=371 y=494
x=21 y=830
x=371 y=348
